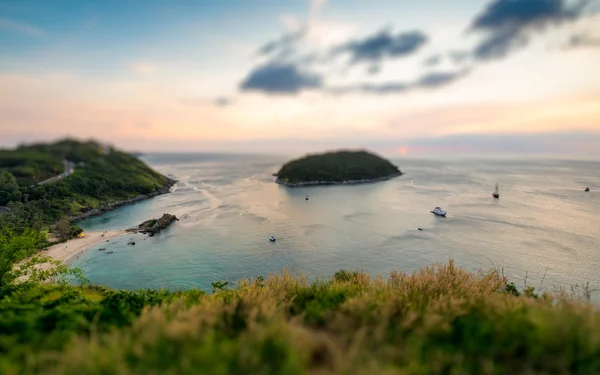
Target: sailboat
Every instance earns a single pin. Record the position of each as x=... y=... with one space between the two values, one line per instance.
x=496 y=193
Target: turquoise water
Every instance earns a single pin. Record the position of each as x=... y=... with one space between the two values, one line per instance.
x=228 y=205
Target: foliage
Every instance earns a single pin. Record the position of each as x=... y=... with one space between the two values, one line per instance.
x=337 y=166
x=61 y=228
x=438 y=320
x=48 y=316
x=75 y=230
x=101 y=175
x=65 y=231
x=9 y=189
x=14 y=248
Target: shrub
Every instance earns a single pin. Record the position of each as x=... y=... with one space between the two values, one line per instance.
x=437 y=320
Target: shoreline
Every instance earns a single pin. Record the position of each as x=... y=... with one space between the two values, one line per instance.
x=114 y=205
x=346 y=182
x=64 y=252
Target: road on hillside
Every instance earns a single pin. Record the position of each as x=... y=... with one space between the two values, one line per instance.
x=69 y=168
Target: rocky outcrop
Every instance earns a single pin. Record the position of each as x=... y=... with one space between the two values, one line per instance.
x=114 y=205
x=153 y=226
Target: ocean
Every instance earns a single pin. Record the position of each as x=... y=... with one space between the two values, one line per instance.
x=544 y=231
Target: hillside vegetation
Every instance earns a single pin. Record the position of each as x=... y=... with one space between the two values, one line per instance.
x=439 y=320
x=336 y=167
x=101 y=175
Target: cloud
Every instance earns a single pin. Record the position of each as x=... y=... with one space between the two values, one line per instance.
x=374 y=69
x=370 y=88
x=429 y=80
x=284 y=45
x=223 y=102
x=21 y=28
x=432 y=60
x=508 y=23
x=582 y=40
x=381 y=45
x=280 y=78
x=434 y=80
x=500 y=44
x=458 y=57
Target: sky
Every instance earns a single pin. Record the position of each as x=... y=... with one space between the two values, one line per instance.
x=395 y=76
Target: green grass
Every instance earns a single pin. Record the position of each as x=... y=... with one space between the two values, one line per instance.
x=438 y=320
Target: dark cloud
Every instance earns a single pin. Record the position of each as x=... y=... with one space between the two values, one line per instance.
x=434 y=80
x=432 y=60
x=459 y=57
x=430 y=80
x=283 y=45
x=500 y=44
x=279 y=78
x=382 y=45
x=582 y=40
x=508 y=23
x=502 y=14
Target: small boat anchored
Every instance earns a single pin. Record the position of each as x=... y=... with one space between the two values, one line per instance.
x=438 y=211
x=496 y=193
x=587 y=189
x=272 y=239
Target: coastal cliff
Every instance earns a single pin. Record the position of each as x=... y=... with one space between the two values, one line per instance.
x=345 y=167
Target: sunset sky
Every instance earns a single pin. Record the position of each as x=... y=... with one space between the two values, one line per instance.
x=289 y=76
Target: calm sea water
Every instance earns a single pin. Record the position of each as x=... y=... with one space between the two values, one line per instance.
x=543 y=224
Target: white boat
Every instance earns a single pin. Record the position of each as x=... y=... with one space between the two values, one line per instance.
x=272 y=239
x=438 y=211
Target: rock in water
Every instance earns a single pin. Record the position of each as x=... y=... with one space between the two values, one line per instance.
x=153 y=226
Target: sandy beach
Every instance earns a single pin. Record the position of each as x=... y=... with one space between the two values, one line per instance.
x=73 y=248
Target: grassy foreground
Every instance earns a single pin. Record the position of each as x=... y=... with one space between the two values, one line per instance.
x=439 y=320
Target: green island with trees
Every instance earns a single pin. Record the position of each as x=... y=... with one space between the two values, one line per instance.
x=336 y=167
x=436 y=320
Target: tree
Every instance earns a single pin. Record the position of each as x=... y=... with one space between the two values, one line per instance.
x=32 y=271
x=75 y=230
x=24 y=216
x=9 y=189
x=14 y=248
x=62 y=228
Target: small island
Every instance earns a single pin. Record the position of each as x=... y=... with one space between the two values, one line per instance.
x=153 y=226
x=336 y=167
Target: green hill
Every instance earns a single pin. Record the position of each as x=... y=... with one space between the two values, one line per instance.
x=439 y=320
x=100 y=174
x=336 y=167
